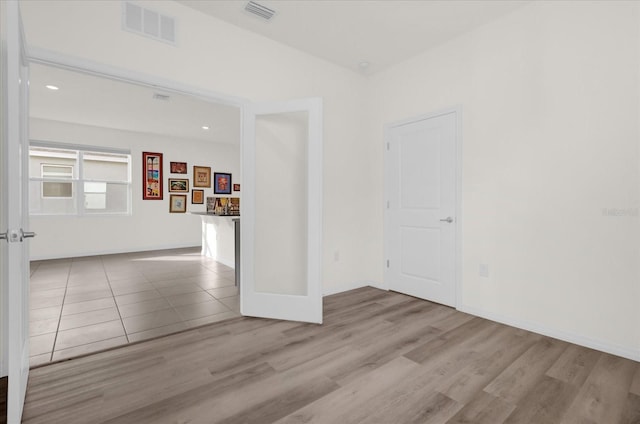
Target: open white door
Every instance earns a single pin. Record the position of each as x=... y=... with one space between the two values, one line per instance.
x=281 y=241
x=14 y=251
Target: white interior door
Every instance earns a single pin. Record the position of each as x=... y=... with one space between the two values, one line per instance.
x=14 y=253
x=281 y=233
x=420 y=218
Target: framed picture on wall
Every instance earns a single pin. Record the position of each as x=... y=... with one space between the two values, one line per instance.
x=178 y=167
x=221 y=183
x=236 y=187
x=151 y=176
x=178 y=203
x=211 y=204
x=202 y=176
x=197 y=197
x=180 y=185
x=234 y=206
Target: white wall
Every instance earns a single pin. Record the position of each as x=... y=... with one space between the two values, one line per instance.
x=550 y=102
x=218 y=56
x=150 y=226
x=550 y=139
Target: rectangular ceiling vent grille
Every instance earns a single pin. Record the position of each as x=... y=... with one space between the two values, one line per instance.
x=148 y=22
x=259 y=10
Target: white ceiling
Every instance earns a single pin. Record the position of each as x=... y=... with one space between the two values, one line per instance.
x=348 y=32
x=345 y=32
x=102 y=102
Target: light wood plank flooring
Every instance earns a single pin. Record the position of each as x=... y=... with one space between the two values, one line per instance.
x=379 y=357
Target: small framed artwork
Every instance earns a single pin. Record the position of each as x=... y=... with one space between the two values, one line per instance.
x=236 y=187
x=197 y=197
x=234 y=206
x=178 y=167
x=211 y=204
x=202 y=176
x=151 y=176
x=221 y=183
x=178 y=203
x=179 y=185
x=221 y=206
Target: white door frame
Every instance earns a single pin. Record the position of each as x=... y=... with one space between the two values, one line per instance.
x=76 y=64
x=15 y=219
x=457 y=110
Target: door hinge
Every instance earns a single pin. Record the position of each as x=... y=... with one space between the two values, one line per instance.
x=387 y=263
x=388 y=204
x=388 y=146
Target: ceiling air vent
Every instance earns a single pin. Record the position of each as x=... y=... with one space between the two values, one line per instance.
x=148 y=23
x=259 y=10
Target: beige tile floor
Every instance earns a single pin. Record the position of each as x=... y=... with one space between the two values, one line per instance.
x=82 y=305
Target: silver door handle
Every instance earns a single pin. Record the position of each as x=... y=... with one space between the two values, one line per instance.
x=16 y=237
x=447 y=219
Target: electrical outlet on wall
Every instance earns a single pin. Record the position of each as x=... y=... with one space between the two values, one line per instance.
x=484 y=270
x=336 y=255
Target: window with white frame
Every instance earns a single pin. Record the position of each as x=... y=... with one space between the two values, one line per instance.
x=78 y=180
x=56 y=189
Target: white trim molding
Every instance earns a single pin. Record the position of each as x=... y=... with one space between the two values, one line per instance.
x=77 y=64
x=603 y=346
x=118 y=251
x=341 y=288
x=578 y=339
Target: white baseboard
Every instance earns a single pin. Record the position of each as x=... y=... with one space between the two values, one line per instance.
x=328 y=291
x=111 y=252
x=623 y=351
x=226 y=261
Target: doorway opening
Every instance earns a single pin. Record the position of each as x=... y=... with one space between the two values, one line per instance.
x=422 y=216
x=104 y=276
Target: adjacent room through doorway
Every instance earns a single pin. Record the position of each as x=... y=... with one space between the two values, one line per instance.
x=113 y=263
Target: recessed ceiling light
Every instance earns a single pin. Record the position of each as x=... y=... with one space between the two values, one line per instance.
x=52 y=87
x=204 y=127
x=364 y=64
